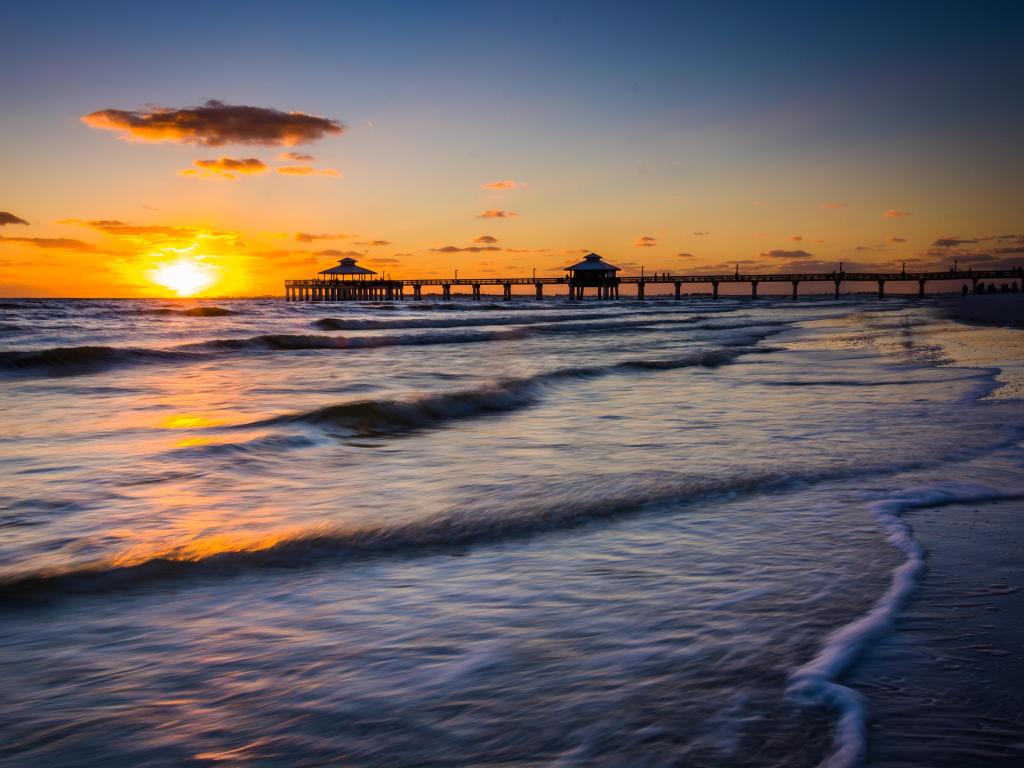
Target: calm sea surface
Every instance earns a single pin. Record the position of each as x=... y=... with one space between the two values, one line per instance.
x=491 y=534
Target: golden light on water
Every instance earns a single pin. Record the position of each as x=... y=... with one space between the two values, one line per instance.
x=186 y=276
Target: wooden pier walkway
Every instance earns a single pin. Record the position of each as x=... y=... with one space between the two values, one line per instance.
x=326 y=289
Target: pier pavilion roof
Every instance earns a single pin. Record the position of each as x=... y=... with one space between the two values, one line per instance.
x=592 y=263
x=347 y=266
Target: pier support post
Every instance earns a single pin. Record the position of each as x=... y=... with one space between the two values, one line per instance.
x=539 y=287
x=920 y=288
x=476 y=291
x=679 y=290
x=836 y=296
x=572 y=292
x=974 y=285
x=640 y=290
x=446 y=292
x=796 y=284
x=753 y=289
x=881 y=289
x=508 y=291
x=417 y=293
x=616 y=286
x=714 y=289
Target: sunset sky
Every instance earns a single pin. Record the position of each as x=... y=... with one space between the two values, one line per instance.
x=227 y=146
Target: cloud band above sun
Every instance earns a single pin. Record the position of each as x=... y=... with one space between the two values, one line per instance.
x=215 y=124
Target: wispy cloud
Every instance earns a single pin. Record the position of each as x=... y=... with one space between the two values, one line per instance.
x=684 y=255
x=832 y=206
x=306 y=170
x=485 y=239
x=62 y=243
x=895 y=239
x=496 y=214
x=296 y=157
x=309 y=237
x=952 y=242
x=645 y=241
x=701 y=234
x=796 y=238
x=373 y=243
x=335 y=253
x=778 y=253
x=503 y=184
x=466 y=249
x=215 y=124
x=895 y=213
x=9 y=218
x=225 y=168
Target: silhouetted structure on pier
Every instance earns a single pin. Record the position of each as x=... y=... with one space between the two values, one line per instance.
x=348 y=281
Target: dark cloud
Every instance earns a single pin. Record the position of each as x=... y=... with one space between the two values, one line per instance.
x=645 y=241
x=1009 y=249
x=10 y=218
x=896 y=239
x=951 y=242
x=877 y=248
x=496 y=214
x=226 y=168
x=485 y=239
x=778 y=253
x=383 y=260
x=373 y=242
x=685 y=255
x=796 y=238
x=215 y=124
x=296 y=157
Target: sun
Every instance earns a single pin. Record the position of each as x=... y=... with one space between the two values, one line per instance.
x=186 y=276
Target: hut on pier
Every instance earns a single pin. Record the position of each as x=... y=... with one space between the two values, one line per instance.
x=593 y=272
x=347 y=269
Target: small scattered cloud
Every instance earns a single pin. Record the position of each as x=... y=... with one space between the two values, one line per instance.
x=62 y=243
x=895 y=239
x=645 y=241
x=876 y=248
x=701 y=234
x=335 y=253
x=306 y=170
x=684 y=255
x=225 y=168
x=952 y=242
x=778 y=253
x=309 y=237
x=373 y=243
x=833 y=206
x=466 y=249
x=894 y=213
x=796 y=238
x=383 y=260
x=503 y=184
x=485 y=239
x=9 y=218
x=296 y=157
x=496 y=214
x=215 y=124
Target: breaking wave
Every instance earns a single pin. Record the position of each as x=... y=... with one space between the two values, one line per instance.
x=67 y=361
x=383 y=417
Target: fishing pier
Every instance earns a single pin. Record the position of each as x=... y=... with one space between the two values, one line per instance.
x=350 y=282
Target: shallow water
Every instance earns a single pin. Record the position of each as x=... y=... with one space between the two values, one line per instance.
x=466 y=533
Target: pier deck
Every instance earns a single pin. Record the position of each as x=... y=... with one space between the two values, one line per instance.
x=336 y=290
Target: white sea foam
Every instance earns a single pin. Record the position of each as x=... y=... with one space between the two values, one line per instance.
x=815 y=681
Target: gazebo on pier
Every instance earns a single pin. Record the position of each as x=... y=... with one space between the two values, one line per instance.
x=593 y=272
x=345 y=282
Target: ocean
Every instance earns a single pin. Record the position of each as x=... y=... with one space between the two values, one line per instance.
x=257 y=533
